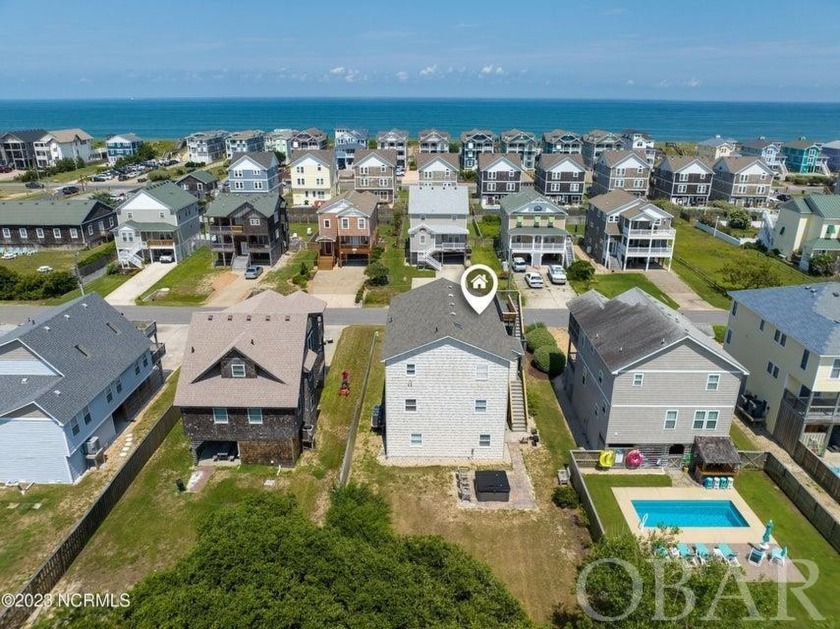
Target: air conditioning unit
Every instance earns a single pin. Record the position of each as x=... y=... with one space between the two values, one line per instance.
x=92 y=445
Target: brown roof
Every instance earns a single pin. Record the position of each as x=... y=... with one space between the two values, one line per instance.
x=268 y=329
x=547 y=161
x=613 y=158
x=451 y=159
x=736 y=164
x=677 y=162
x=68 y=135
x=485 y=160
x=613 y=200
x=389 y=156
x=364 y=202
x=717 y=451
x=323 y=155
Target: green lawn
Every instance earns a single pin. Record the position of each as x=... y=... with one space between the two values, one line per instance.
x=802 y=539
x=399 y=273
x=614 y=284
x=75 y=175
x=707 y=255
x=600 y=488
x=300 y=229
x=122 y=551
x=740 y=437
x=189 y=282
x=58 y=259
x=554 y=432
x=281 y=279
x=103 y=286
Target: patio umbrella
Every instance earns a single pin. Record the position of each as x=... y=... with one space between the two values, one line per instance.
x=768 y=528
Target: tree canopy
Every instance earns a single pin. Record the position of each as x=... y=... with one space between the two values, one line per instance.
x=262 y=563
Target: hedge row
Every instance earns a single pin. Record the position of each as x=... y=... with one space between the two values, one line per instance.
x=17 y=287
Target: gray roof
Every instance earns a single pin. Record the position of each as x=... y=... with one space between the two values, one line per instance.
x=801 y=143
x=596 y=135
x=717 y=451
x=613 y=158
x=512 y=134
x=246 y=135
x=364 y=202
x=424 y=315
x=312 y=132
x=675 y=163
x=203 y=176
x=825 y=205
x=808 y=313
x=270 y=330
x=169 y=194
x=226 y=203
x=758 y=143
x=485 y=160
x=634 y=325
x=131 y=137
x=536 y=231
x=513 y=202
x=614 y=199
x=399 y=134
x=424 y=133
x=467 y=135
x=149 y=227
x=717 y=141
x=451 y=159
x=54 y=337
x=430 y=200
x=69 y=135
x=737 y=163
x=266 y=159
x=547 y=161
x=26 y=135
x=46 y=213
x=389 y=156
x=556 y=134
x=325 y=156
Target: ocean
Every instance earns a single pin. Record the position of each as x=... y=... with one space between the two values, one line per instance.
x=664 y=120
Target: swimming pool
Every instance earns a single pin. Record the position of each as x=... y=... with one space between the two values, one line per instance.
x=689 y=513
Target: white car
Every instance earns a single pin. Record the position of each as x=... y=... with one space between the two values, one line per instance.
x=556 y=274
x=534 y=279
x=45 y=269
x=165 y=259
x=9 y=256
x=519 y=264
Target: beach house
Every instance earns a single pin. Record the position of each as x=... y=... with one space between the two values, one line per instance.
x=30 y=224
x=248 y=229
x=596 y=142
x=310 y=139
x=347 y=143
x=474 y=143
x=682 y=179
x=347 y=229
x=433 y=141
x=715 y=148
x=395 y=140
x=534 y=228
x=499 y=175
x=206 y=147
x=808 y=226
x=17 y=148
x=743 y=181
x=561 y=177
x=641 y=142
x=314 y=177
x=55 y=146
x=522 y=143
x=804 y=156
x=768 y=150
x=437 y=214
x=123 y=145
x=562 y=141
x=251 y=141
x=621 y=170
x=437 y=168
x=374 y=171
x=254 y=172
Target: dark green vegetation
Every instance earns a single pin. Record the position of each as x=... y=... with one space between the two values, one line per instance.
x=294 y=275
x=15 y=286
x=263 y=563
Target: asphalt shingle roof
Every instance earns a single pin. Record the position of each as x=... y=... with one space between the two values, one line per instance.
x=514 y=202
x=547 y=161
x=226 y=203
x=364 y=202
x=737 y=163
x=169 y=194
x=486 y=160
x=634 y=325
x=613 y=158
x=266 y=159
x=424 y=315
x=468 y=135
x=325 y=156
x=675 y=163
x=451 y=159
x=26 y=135
x=808 y=313
x=389 y=156
x=800 y=144
x=613 y=200
x=432 y=200
x=203 y=176
x=65 y=212
x=54 y=337
x=393 y=134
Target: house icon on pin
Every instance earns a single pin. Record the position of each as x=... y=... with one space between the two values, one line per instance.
x=479 y=282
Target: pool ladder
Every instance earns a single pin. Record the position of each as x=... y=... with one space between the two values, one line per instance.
x=643 y=521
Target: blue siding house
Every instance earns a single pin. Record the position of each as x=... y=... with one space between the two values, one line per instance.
x=804 y=156
x=347 y=142
x=254 y=172
x=124 y=145
x=69 y=381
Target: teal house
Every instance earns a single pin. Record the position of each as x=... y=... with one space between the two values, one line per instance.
x=804 y=156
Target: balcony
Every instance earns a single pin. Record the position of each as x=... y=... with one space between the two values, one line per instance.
x=223 y=247
x=651 y=233
x=450 y=246
x=152 y=244
x=226 y=229
x=645 y=251
x=818 y=408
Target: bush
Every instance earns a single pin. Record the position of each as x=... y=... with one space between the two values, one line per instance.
x=113 y=268
x=106 y=251
x=580 y=271
x=549 y=360
x=300 y=280
x=539 y=337
x=377 y=274
x=360 y=294
x=161 y=174
x=823 y=264
x=376 y=254
x=565 y=497
x=534 y=326
x=739 y=218
x=14 y=286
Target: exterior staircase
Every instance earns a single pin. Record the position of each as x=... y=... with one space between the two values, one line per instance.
x=614 y=264
x=240 y=263
x=427 y=258
x=518 y=409
x=132 y=256
x=783 y=171
x=570 y=252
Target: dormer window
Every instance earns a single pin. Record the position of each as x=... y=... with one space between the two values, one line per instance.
x=237 y=370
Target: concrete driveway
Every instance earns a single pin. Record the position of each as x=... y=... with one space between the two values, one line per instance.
x=551 y=296
x=338 y=286
x=139 y=284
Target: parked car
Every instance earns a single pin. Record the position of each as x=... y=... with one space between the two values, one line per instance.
x=400 y=172
x=556 y=274
x=534 y=279
x=70 y=189
x=122 y=177
x=36 y=185
x=142 y=180
x=519 y=264
x=166 y=259
x=783 y=197
x=9 y=255
x=99 y=178
x=45 y=269
x=5 y=169
x=253 y=272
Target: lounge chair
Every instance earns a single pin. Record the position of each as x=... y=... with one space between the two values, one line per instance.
x=685 y=553
x=702 y=552
x=779 y=555
x=727 y=554
x=756 y=556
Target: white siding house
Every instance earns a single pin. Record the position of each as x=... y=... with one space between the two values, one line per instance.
x=448 y=375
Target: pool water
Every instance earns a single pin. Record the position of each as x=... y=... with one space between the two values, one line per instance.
x=689 y=513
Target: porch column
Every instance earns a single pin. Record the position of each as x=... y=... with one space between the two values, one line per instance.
x=626 y=251
x=607 y=253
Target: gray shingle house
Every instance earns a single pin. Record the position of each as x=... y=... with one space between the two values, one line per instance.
x=621 y=170
x=499 y=175
x=534 y=228
x=254 y=172
x=473 y=143
x=310 y=139
x=522 y=143
x=199 y=183
x=460 y=412
x=437 y=168
x=640 y=375
x=437 y=215
x=682 y=179
x=596 y=142
x=17 y=148
x=347 y=143
x=562 y=141
x=252 y=141
x=251 y=378
x=561 y=177
x=397 y=140
x=28 y=225
x=69 y=380
x=433 y=141
x=206 y=147
x=248 y=228
x=744 y=181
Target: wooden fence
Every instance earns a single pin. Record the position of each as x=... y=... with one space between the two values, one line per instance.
x=818 y=470
x=66 y=552
x=596 y=527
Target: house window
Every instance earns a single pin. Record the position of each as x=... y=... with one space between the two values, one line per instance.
x=410 y=369
x=345 y=223
x=7 y=233
x=772 y=369
x=761 y=325
x=638 y=379
x=780 y=338
x=671 y=420
x=137 y=367
x=74 y=233
x=254 y=221
x=237 y=173
x=145 y=361
x=734 y=308
x=705 y=420
x=483 y=441
x=416 y=439
x=511 y=187
x=237 y=370
x=326 y=223
x=712 y=382
x=39 y=233
x=255 y=416
x=410 y=405
x=74 y=426
x=220 y=415
x=118 y=385
x=600 y=376
x=57 y=233
x=258 y=185
x=491 y=187
x=835 y=370
x=683 y=176
x=160 y=214
x=90 y=230
x=362 y=223
x=728 y=337
x=701 y=189
x=22 y=232
x=480 y=406
x=86 y=415
x=109 y=393
x=238 y=185
x=481 y=371
x=682 y=188
x=803 y=364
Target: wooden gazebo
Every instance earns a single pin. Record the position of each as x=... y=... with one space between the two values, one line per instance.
x=714 y=456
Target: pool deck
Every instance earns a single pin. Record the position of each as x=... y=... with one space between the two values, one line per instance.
x=706 y=535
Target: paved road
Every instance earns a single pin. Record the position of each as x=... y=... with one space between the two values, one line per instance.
x=334 y=316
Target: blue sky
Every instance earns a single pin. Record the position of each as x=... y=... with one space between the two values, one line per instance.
x=722 y=50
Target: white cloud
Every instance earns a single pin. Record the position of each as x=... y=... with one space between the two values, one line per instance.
x=630 y=82
x=338 y=70
x=402 y=75
x=693 y=82
x=664 y=83
x=490 y=69
x=430 y=71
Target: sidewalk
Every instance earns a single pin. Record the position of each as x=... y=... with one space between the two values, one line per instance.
x=139 y=284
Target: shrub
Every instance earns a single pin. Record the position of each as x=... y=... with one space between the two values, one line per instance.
x=739 y=218
x=565 y=497
x=377 y=274
x=549 y=360
x=113 y=268
x=534 y=326
x=106 y=251
x=360 y=294
x=300 y=280
x=161 y=174
x=376 y=253
x=540 y=337
x=580 y=271
x=822 y=264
